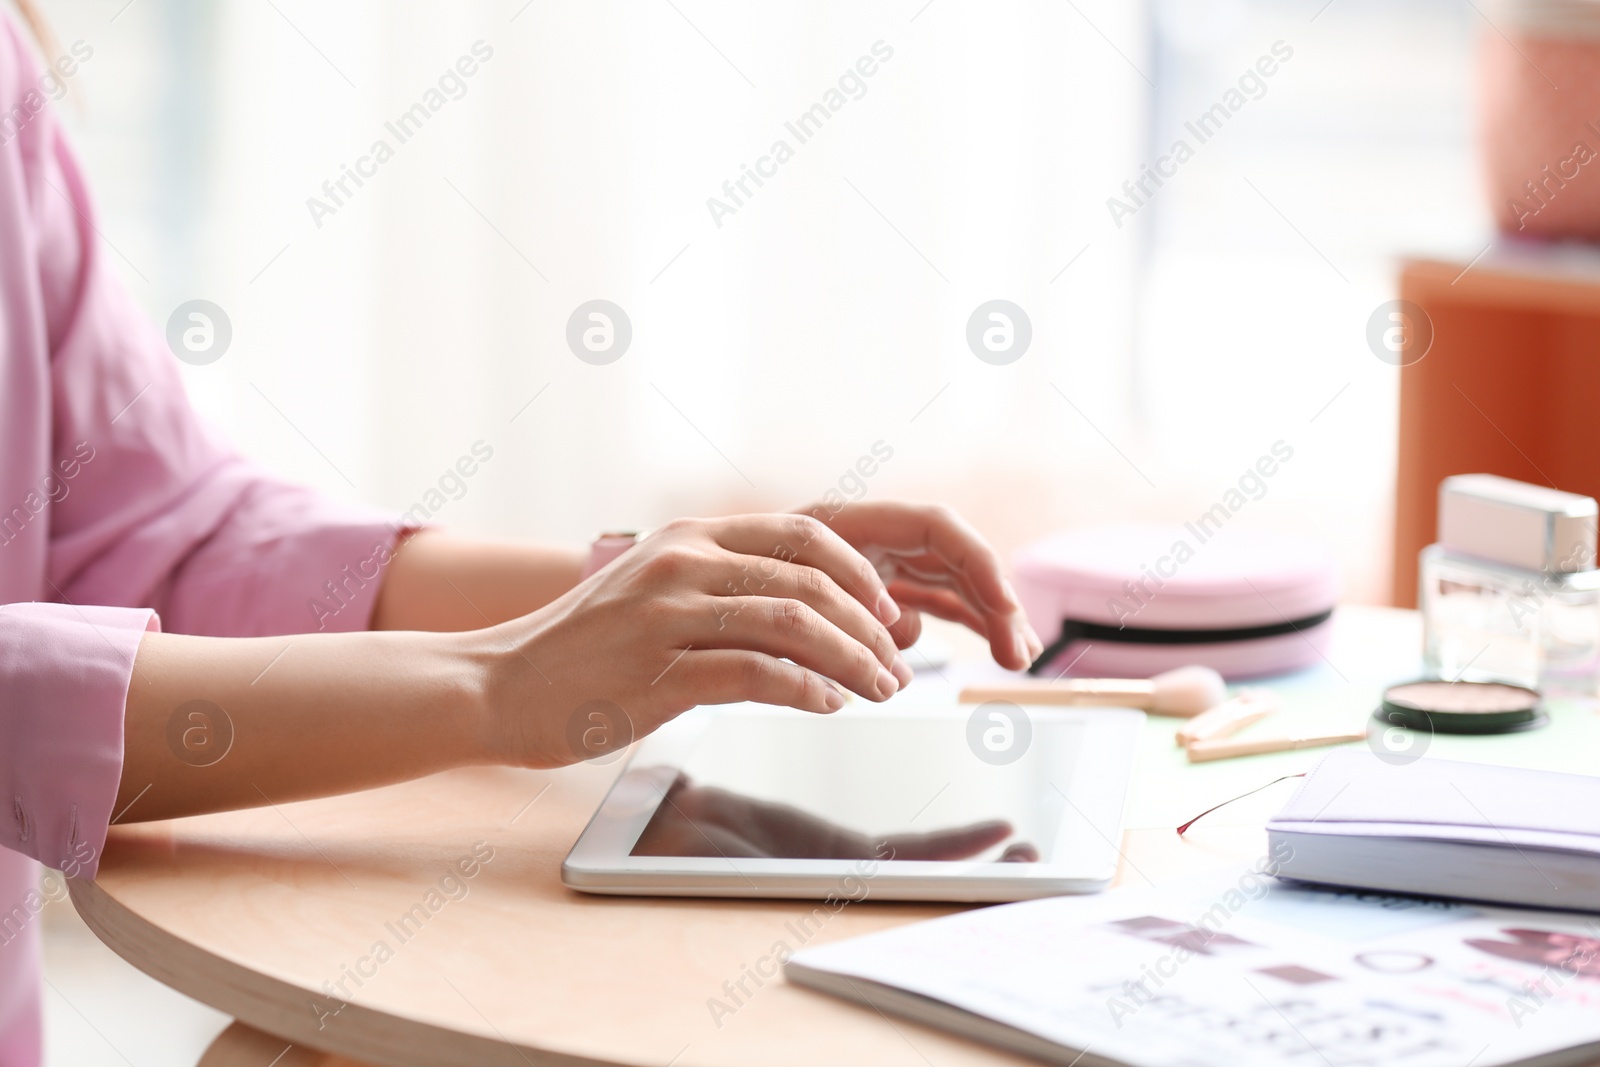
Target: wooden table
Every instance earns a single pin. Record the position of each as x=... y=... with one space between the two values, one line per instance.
x=252 y=912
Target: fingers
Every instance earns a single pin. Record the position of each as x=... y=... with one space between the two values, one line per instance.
x=1006 y=645
x=907 y=629
x=732 y=676
x=775 y=578
x=940 y=603
x=929 y=569
x=908 y=529
x=803 y=540
x=1011 y=638
x=954 y=844
x=794 y=630
x=936 y=546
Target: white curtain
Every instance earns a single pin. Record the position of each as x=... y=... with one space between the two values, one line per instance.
x=828 y=312
x=770 y=353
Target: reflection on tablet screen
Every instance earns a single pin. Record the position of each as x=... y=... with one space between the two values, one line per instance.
x=697 y=820
x=812 y=787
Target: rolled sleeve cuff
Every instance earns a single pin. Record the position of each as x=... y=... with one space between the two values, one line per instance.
x=328 y=583
x=64 y=676
x=355 y=558
x=283 y=561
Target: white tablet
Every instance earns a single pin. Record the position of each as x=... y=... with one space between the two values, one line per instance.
x=890 y=802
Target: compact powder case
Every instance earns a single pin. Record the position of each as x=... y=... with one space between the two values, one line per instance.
x=1439 y=706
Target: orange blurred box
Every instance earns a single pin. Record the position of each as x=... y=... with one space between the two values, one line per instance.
x=1510 y=384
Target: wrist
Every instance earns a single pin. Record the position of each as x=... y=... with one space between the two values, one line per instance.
x=473 y=656
x=509 y=695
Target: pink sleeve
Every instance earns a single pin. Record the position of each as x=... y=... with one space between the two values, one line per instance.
x=162 y=511
x=63 y=680
x=121 y=500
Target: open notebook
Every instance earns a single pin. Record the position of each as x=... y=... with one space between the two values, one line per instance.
x=1242 y=972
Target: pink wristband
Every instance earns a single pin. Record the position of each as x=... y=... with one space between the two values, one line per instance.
x=607 y=547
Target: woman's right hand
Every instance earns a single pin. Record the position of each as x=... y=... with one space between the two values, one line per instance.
x=767 y=608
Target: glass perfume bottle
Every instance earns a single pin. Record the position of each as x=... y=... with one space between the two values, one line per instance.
x=1510 y=592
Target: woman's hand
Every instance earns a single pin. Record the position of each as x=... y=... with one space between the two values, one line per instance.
x=766 y=608
x=933 y=561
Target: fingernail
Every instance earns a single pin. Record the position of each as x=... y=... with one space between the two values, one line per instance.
x=1020 y=643
x=833 y=699
x=888 y=610
x=887 y=686
x=1035 y=646
x=901 y=670
x=1011 y=593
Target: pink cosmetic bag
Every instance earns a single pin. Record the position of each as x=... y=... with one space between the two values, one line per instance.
x=1133 y=601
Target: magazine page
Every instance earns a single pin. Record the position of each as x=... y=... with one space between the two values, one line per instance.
x=1249 y=970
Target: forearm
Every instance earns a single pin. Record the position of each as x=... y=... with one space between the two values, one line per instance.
x=680 y=621
x=439 y=581
x=220 y=723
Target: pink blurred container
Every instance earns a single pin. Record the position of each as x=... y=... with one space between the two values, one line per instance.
x=1129 y=602
x=1540 y=116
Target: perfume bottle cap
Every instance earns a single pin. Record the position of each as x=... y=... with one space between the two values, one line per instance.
x=1529 y=526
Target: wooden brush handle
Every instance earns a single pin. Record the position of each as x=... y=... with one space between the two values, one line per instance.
x=1201 y=751
x=1116 y=692
x=1228 y=718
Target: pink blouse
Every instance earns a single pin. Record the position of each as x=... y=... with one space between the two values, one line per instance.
x=120 y=512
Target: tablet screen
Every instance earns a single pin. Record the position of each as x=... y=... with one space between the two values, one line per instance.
x=845 y=787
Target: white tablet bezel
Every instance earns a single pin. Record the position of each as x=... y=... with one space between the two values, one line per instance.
x=1090 y=843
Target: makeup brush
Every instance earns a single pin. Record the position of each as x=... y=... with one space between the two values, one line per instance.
x=1184 y=692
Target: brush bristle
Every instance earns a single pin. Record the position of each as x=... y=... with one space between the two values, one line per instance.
x=1187 y=691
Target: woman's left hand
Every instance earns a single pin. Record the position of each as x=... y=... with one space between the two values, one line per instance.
x=933 y=561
